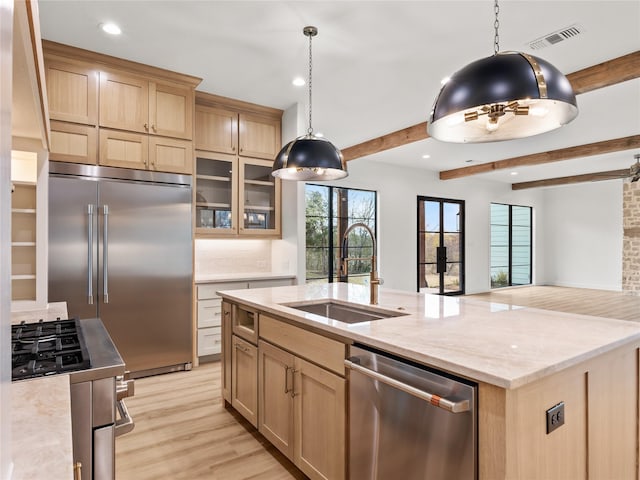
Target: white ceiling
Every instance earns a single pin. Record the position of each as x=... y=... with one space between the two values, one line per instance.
x=377 y=65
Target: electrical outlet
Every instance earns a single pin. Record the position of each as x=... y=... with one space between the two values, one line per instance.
x=555 y=417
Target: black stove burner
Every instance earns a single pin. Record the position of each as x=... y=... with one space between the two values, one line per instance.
x=46 y=348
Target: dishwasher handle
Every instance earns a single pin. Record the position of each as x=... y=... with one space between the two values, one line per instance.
x=433 y=399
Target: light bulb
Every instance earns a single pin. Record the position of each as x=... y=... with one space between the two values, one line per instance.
x=492 y=126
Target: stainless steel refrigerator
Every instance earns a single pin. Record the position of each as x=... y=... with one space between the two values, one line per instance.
x=120 y=248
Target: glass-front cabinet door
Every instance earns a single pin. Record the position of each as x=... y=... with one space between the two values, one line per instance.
x=259 y=198
x=216 y=198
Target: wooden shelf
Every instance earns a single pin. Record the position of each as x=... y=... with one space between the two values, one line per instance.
x=249 y=208
x=213 y=205
x=23 y=210
x=23 y=244
x=23 y=277
x=213 y=177
x=259 y=182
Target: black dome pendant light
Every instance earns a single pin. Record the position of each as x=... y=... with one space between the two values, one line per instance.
x=309 y=157
x=508 y=95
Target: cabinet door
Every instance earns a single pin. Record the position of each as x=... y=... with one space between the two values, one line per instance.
x=72 y=91
x=319 y=412
x=244 y=379
x=226 y=351
x=75 y=143
x=122 y=149
x=170 y=155
x=124 y=102
x=216 y=130
x=259 y=136
x=171 y=110
x=259 y=202
x=275 y=400
x=216 y=197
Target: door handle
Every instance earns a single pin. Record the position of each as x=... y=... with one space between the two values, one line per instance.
x=105 y=255
x=432 y=398
x=90 y=209
x=441 y=259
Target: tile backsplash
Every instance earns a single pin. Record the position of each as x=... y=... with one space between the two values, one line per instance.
x=232 y=256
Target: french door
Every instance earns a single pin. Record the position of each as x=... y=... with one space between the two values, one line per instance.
x=440 y=246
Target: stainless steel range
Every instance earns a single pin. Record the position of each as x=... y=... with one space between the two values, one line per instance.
x=84 y=350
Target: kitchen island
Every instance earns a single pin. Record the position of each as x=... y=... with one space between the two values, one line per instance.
x=525 y=361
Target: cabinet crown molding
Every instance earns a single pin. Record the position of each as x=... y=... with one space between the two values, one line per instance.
x=74 y=53
x=211 y=100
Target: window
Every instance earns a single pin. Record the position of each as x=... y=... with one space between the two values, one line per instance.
x=511 y=245
x=329 y=212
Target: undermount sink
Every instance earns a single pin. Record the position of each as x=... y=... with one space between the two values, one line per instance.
x=347 y=313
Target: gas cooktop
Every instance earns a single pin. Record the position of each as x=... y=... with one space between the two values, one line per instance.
x=47 y=348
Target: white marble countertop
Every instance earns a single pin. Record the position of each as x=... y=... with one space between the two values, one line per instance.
x=41 y=440
x=504 y=345
x=239 y=277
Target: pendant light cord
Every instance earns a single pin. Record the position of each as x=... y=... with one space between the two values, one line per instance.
x=496 y=25
x=310 y=129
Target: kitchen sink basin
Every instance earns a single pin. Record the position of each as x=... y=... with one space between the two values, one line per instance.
x=347 y=313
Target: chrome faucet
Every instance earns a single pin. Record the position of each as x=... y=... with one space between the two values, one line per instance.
x=344 y=259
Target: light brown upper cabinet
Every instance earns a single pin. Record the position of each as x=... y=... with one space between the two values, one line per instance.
x=216 y=130
x=236 y=128
x=110 y=111
x=72 y=90
x=133 y=103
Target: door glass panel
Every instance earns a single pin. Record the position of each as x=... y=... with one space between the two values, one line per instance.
x=429 y=278
x=431 y=243
x=452 y=242
x=452 y=279
x=451 y=214
x=432 y=216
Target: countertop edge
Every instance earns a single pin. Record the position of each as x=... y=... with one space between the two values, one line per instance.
x=434 y=361
x=240 y=277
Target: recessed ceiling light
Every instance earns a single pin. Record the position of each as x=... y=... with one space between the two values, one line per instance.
x=514 y=173
x=298 y=81
x=110 y=28
x=426 y=156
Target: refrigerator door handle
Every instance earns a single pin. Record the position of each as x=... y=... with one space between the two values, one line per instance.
x=105 y=255
x=90 y=254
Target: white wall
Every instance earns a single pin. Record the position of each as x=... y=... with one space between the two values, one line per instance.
x=583 y=235
x=397 y=218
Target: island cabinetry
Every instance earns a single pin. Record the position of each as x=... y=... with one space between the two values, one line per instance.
x=599 y=437
x=226 y=334
x=244 y=379
x=302 y=404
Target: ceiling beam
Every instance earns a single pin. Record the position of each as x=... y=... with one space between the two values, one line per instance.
x=602 y=75
x=590 y=149
x=588 y=177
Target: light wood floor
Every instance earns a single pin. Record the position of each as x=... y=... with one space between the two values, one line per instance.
x=601 y=303
x=183 y=432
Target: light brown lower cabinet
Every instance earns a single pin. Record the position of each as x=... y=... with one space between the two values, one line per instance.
x=302 y=412
x=244 y=379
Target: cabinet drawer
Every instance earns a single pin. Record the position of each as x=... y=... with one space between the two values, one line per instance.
x=208 y=290
x=209 y=341
x=323 y=351
x=209 y=312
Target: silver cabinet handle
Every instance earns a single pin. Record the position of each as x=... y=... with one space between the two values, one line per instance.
x=125 y=424
x=433 y=399
x=90 y=254
x=105 y=255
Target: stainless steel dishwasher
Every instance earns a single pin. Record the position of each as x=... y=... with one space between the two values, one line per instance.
x=408 y=422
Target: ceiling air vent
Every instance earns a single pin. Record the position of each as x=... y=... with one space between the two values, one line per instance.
x=556 y=37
